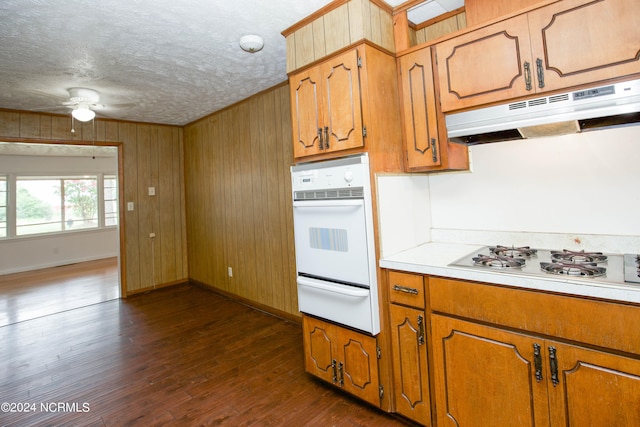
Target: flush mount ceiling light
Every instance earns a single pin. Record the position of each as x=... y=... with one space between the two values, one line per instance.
x=251 y=43
x=83 y=113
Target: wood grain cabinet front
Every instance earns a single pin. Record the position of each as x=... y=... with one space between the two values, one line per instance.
x=345 y=358
x=426 y=145
x=564 y=44
x=348 y=104
x=326 y=106
x=509 y=356
x=409 y=346
x=490 y=376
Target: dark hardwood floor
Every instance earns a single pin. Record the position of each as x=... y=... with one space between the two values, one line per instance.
x=176 y=356
x=33 y=294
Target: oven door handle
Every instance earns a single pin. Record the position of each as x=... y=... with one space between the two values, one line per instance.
x=351 y=291
x=327 y=203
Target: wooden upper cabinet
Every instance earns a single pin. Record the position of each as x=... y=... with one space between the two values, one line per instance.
x=305 y=102
x=426 y=145
x=326 y=106
x=580 y=42
x=418 y=109
x=565 y=44
x=485 y=65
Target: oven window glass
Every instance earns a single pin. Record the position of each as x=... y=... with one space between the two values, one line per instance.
x=331 y=239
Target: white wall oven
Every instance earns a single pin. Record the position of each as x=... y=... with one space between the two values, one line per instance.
x=335 y=252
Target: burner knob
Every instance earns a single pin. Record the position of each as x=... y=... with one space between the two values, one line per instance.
x=348 y=176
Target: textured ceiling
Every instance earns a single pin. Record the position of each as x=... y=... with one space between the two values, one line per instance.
x=157 y=61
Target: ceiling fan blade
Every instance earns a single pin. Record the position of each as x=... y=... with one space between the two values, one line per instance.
x=56 y=108
x=57 y=98
x=112 y=106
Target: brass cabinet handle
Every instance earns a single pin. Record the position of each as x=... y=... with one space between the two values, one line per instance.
x=341 y=374
x=434 y=150
x=540 y=69
x=527 y=75
x=405 y=289
x=320 y=138
x=537 y=361
x=553 y=364
x=420 y=330
x=335 y=372
x=326 y=137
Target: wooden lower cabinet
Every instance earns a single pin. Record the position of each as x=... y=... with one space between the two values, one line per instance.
x=342 y=357
x=410 y=367
x=488 y=376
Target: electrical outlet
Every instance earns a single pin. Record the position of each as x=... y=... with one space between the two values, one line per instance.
x=129 y=206
x=152 y=191
x=230 y=271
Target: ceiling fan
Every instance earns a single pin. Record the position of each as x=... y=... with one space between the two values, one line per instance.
x=83 y=102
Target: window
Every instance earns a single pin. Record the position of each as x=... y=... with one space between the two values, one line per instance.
x=55 y=204
x=3 y=206
x=49 y=205
x=110 y=186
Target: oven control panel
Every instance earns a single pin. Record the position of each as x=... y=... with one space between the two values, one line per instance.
x=330 y=174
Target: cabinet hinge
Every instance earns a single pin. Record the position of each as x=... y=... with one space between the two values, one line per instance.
x=381 y=391
x=378 y=352
x=359 y=61
x=364 y=131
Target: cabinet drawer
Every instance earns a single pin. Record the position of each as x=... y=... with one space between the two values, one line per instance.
x=407 y=289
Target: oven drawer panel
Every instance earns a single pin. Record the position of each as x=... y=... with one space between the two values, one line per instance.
x=604 y=324
x=406 y=289
x=347 y=305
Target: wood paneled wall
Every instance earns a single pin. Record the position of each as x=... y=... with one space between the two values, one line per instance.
x=238 y=201
x=337 y=26
x=440 y=27
x=151 y=156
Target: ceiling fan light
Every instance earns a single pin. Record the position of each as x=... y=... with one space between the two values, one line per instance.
x=83 y=114
x=251 y=43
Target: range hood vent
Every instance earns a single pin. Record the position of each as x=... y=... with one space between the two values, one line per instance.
x=594 y=108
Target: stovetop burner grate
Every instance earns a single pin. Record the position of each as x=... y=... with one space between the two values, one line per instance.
x=521 y=251
x=499 y=261
x=573 y=269
x=577 y=257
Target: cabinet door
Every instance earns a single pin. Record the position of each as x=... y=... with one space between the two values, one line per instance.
x=343 y=357
x=594 y=388
x=580 y=42
x=342 y=126
x=306 y=107
x=419 y=112
x=358 y=373
x=319 y=348
x=410 y=368
x=486 y=376
x=488 y=65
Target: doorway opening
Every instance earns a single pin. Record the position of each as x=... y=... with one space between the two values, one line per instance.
x=60 y=227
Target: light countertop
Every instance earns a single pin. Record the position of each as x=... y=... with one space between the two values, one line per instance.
x=434 y=258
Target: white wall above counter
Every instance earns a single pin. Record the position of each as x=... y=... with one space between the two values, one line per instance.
x=575 y=192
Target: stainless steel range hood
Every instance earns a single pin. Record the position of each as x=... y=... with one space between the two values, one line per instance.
x=569 y=112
